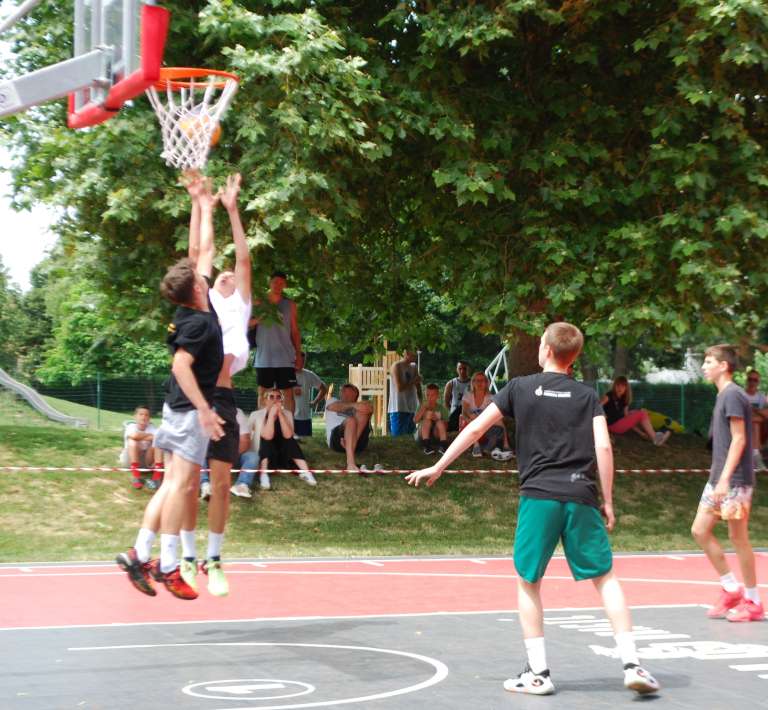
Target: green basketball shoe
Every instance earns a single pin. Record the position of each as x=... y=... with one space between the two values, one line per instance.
x=217 y=582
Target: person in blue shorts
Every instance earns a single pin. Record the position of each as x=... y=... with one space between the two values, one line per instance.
x=562 y=436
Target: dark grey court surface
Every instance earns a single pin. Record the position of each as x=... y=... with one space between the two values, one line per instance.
x=404 y=662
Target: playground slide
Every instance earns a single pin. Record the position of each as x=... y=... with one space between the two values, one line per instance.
x=36 y=401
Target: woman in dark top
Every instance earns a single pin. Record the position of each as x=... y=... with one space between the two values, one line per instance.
x=621 y=419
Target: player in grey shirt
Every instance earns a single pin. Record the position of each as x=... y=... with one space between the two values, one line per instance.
x=728 y=493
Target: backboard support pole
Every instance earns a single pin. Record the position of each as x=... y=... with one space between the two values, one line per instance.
x=53 y=82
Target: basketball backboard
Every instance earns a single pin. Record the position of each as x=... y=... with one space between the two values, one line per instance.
x=118 y=52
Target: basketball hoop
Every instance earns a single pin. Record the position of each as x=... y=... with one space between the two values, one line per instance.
x=190 y=104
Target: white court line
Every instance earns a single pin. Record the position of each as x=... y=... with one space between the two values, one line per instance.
x=372 y=563
x=360 y=573
x=263 y=619
x=354 y=560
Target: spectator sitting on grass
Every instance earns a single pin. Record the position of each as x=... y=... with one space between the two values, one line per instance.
x=759 y=403
x=621 y=420
x=138 y=450
x=348 y=424
x=431 y=427
x=249 y=459
x=306 y=380
x=474 y=402
x=453 y=393
x=277 y=448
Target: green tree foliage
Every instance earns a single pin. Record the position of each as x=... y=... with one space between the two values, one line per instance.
x=12 y=322
x=410 y=163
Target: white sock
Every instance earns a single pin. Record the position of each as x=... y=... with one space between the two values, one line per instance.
x=625 y=644
x=729 y=582
x=168 y=559
x=214 y=544
x=188 y=546
x=143 y=545
x=752 y=594
x=537 y=654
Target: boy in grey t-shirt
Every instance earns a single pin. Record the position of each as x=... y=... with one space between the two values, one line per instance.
x=728 y=493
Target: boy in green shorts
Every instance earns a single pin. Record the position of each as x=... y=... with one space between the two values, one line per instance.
x=561 y=433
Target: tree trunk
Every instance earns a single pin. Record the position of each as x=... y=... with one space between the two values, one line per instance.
x=522 y=354
x=620 y=360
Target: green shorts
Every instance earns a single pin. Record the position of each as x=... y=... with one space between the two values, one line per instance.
x=542 y=523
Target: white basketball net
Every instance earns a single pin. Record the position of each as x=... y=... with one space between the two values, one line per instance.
x=189 y=117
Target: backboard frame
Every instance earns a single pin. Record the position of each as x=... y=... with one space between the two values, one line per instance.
x=118 y=53
x=132 y=66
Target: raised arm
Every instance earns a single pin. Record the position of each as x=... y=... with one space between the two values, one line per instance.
x=192 y=180
x=228 y=198
x=207 y=202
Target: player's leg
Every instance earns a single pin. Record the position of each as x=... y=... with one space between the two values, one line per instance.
x=135 y=562
x=187 y=536
x=218 y=512
x=707 y=516
x=538 y=530
x=750 y=608
x=588 y=552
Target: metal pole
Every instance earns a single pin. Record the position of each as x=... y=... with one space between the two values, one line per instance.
x=98 y=400
x=682 y=404
x=22 y=10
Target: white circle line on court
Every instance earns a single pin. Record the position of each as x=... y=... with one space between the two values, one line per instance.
x=440 y=674
x=264 y=619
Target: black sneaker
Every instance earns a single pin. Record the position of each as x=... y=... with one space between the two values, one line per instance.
x=138 y=572
x=428 y=450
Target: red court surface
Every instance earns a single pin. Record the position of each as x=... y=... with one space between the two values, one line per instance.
x=43 y=596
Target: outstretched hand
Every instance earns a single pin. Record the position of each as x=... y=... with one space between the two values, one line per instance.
x=431 y=474
x=206 y=198
x=194 y=181
x=230 y=192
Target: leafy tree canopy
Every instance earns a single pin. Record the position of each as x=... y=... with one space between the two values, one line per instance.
x=411 y=163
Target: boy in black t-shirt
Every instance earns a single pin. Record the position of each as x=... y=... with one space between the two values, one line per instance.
x=728 y=493
x=560 y=431
x=189 y=422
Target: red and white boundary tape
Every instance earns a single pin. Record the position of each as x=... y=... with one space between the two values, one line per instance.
x=383 y=471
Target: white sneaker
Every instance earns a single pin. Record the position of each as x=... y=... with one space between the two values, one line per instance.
x=531 y=683
x=640 y=680
x=205 y=490
x=264 y=483
x=240 y=490
x=502 y=454
x=661 y=437
x=307 y=477
x=477 y=452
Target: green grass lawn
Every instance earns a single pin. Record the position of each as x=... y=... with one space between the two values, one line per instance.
x=77 y=516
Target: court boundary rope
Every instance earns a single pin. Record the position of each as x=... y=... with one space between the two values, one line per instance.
x=340 y=471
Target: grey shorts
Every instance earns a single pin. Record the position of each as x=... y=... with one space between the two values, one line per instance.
x=181 y=434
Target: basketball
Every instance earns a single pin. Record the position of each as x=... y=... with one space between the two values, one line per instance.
x=192 y=125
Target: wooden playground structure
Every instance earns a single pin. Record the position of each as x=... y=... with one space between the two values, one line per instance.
x=372 y=382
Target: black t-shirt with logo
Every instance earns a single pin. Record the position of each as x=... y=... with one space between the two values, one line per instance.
x=199 y=333
x=555 y=441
